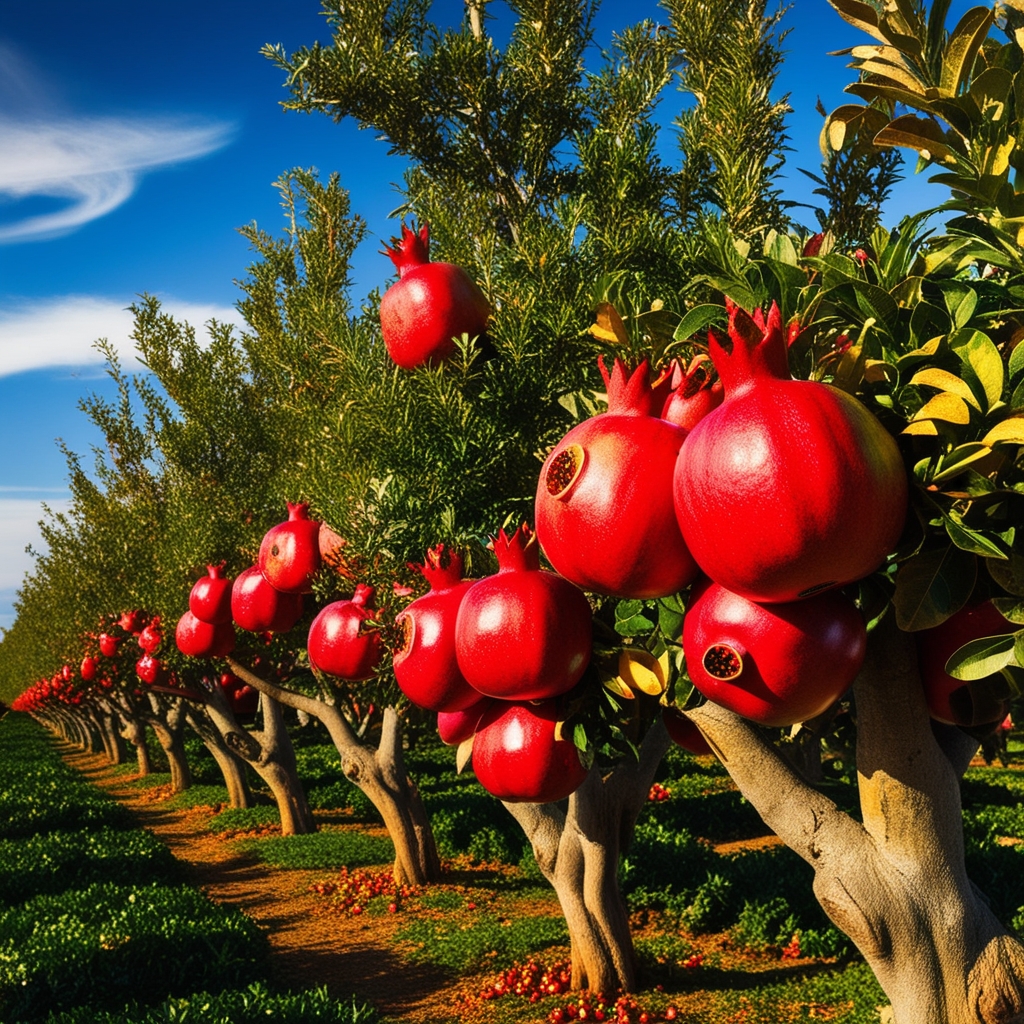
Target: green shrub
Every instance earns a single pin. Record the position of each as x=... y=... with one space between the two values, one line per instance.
x=659 y=853
x=34 y=809
x=108 y=944
x=465 y=819
x=343 y=794
x=322 y=850
x=763 y=924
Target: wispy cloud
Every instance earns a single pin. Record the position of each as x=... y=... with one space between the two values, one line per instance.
x=61 y=331
x=20 y=517
x=91 y=164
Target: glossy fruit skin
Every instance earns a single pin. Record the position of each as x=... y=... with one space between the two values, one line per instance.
x=151 y=670
x=523 y=633
x=797 y=657
x=604 y=504
x=289 y=555
x=258 y=607
x=342 y=640
x=694 y=394
x=426 y=667
x=429 y=305
x=517 y=758
x=151 y=636
x=789 y=487
x=210 y=598
x=88 y=668
x=199 y=639
x=955 y=701
x=684 y=733
x=455 y=726
x=108 y=645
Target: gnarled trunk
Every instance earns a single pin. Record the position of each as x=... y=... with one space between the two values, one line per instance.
x=170 y=733
x=134 y=731
x=112 y=742
x=231 y=766
x=578 y=852
x=896 y=885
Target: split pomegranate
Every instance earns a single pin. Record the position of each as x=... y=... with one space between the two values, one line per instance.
x=151 y=636
x=344 y=640
x=604 y=507
x=789 y=487
x=776 y=664
x=429 y=305
x=455 y=726
x=210 y=599
x=199 y=639
x=523 y=633
x=694 y=393
x=426 y=667
x=289 y=555
x=258 y=607
x=517 y=758
x=684 y=733
x=956 y=701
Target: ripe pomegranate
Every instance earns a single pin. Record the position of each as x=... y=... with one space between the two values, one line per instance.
x=150 y=670
x=344 y=640
x=66 y=673
x=199 y=639
x=694 y=393
x=257 y=606
x=245 y=700
x=775 y=664
x=88 y=668
x=524 y=633
x=108 y=644
x=426 y=667
x=429 y=305
x=956 y=701
x=133 y=621
x=517 y=758
x=789 y=487
x=210 y=599
x=604 y=509
x=151 y=636
x=289 y=555
x=455 y=726
x=684 y=733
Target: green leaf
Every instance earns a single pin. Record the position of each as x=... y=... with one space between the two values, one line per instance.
x=699 y=318
x=1010 y=608
x=670 y=616
x=1017 y=361
x=933 y=585
x=635 y=625
x=579 y=736
x=961 y=302
x=971 y=540
x=1009 y=575
x=959 y=459
x=922 y=134
x=982 y=657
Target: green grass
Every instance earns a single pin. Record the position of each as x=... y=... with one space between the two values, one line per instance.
x=242 y=818
x=150 y=781
x=322 y=850
x=199 y=796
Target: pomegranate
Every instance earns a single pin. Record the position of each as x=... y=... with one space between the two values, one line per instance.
x=429 y=305
x=775 y=664
x=88 y=668
x=694 y=393
x=210 y=599
x=289 y=555
x=151 y=636
x=789 y=487
x=133 y=621
x=426 y=667
x=684 y=733
x=245 y=700
x=150 y=669
x=455 y=726
x=604 y=509
x=517 y=758
x=524 y=633
x=200 y=639
x=344 y=640
x=956 y=701
x=108 y=644
x=66 y=673
x=258 y=607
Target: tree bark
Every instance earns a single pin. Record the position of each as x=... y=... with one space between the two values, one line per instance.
x=231 y=766
x=112 y=741
x=379 y=773
x=133 y=730
x=170 y=733
x=578 y=851
x=896 y=885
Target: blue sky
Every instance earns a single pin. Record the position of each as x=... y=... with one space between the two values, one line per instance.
x=134 y=140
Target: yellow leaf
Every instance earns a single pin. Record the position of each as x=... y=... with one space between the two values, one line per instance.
x=946 y=407
x=1008 y=431
x=618 y=686
x=946 y=381
x=558 y=731
x=463 y=754
x=922 y=427
x=609 y=325
x=878 y=371
x=642 y=671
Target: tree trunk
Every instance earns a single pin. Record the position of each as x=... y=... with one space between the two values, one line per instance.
x=578 y=852
x=380 y=774
x=170 y=733
x=112 y=742
x=231 y=766
x=896 y=885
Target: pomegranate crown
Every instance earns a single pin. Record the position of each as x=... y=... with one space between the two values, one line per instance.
x=440 y=572
x=517 y=553
x=693 y=379
x=364 y=595
x=755 y=347
x=298 y=510
x=216 y=572
x=630 y=392
x=411 y=250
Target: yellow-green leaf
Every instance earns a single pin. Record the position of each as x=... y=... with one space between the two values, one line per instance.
x=609 y=325
x=962 y=48
x=960 y=459
x=920 y=133
x=1008 y=431
x=618 y=686
x=946 y=381
x=945 y=407
x=980 y=352
x=642 y=671
x=922 y=428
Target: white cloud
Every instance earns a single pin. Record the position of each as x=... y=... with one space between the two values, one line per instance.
x=60 y=331
x=20 y=517
x=93 y=164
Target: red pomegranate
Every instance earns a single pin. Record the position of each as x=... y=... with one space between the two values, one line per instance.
x=151 y=636
x=210 y=599
x=455 y=726
x=429 y=305
x=133 y=621
x=289 y=555
x=956 y=701
x=789 y=487
x=426 y=667
x=244 y=701
x=776 y=664
x=517 y=758
x=604 y=510
x=524 y=633
x=66 y=673
x=694 y=393
x=684 y=733
x=108 y=644
x=344 y=640
x=199 y=639
x=150 y=669
x=88 y=668
x=257 y=606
